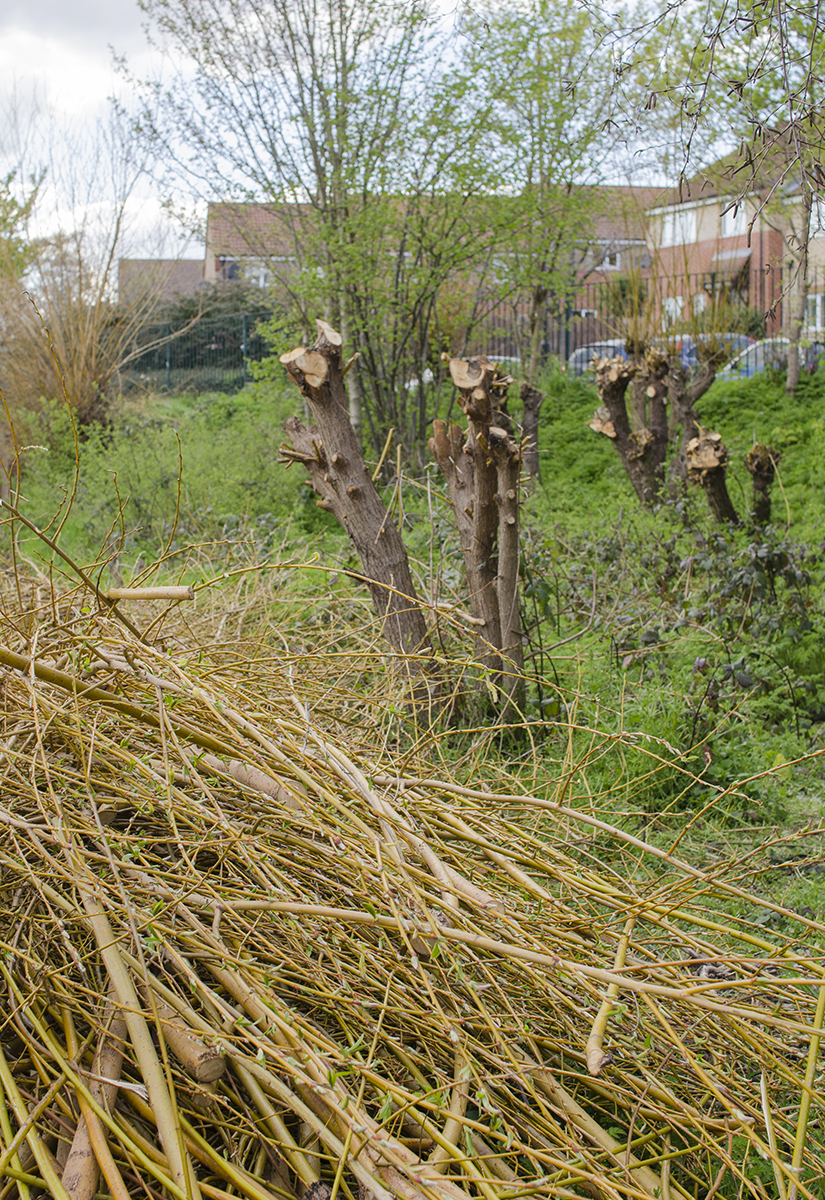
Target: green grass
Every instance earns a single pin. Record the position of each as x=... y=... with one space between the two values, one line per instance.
x=189 y=468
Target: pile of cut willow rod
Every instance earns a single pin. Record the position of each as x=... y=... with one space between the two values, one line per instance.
x=240 y=958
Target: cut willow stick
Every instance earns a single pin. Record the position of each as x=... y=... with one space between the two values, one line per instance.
x=77 y=687
x=141 y=1039
x=21 y=1113
x=89 y=1154
x=454 y=1124
x=807 y=1092
x=253 y=778
x=200 y=1149
x=13 y=1144
x=766 y=1113
x=149 y=593
x=583 y=817
x=594 y=1050
x=568 y=967
x=646 y=1179
x=292 y=1152
x=203 y=1062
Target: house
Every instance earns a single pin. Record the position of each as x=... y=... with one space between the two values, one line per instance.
x=254 y=242
x=710 y=241
x=157 y=281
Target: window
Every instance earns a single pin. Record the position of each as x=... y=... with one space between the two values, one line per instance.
x=611 y=261
x=678 y=226
x=672 y=310
x=735 y=222
x=816 y=313
x=818 y=217
x=700 y=303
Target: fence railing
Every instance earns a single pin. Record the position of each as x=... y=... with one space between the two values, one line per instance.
x=215 y=355
x=595 y=312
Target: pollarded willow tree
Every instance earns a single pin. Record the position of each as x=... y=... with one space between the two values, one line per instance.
x=345 y=121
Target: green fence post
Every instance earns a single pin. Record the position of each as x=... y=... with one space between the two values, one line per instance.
x=168 y=358
x=244 y=346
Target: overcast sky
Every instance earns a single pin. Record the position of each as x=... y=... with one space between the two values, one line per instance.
x=61 y=47
x=60 y=52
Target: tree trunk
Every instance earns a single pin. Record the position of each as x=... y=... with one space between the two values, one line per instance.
x=532 y=399
x=482 y=473
x=505 y=453
x=456 y=463
x=707 y=463
x=355 y=393
x=538 y=321
x=761 y=462
x=331 y=453
x=641 y=458
x=473 y=379
x=682 y=418
x=801 y=295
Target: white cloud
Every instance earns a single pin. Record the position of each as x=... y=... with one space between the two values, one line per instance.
x=56 y=60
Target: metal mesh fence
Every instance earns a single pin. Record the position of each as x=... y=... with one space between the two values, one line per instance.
x=657 y=308
x=212 y=355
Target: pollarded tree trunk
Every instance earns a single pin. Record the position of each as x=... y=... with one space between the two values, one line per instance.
x=641 y=455
x=799 y=296
x=456 y=460
x=482 y=472
x=473 y=378
x=682 y=422
x=707 y=463
x=761 y=463
x=331 y=453
x=532 y=399
x=537 y=325
x=505 y=453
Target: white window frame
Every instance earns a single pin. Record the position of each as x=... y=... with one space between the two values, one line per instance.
x=817 y=227
x=734 y=222
x=815 y=313
x=672 y=310
x=678 y=226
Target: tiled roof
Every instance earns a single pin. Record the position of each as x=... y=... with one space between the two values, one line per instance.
x=259 y=230
x=166 y=278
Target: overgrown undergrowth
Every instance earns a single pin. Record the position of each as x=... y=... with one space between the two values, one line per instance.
x=701 y=649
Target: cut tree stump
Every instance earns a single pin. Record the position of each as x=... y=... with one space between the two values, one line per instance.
x=640 y=451
x=707 y=463
x=761 y=463
x=532 y=400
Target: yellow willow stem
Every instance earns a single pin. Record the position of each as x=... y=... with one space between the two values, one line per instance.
x=805 y=1100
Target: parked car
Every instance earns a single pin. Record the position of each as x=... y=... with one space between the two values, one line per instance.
x=770 y=352
x=580 y=361
x=689 y=348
